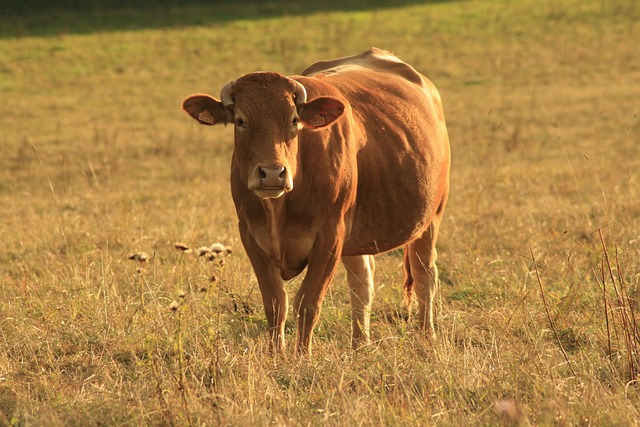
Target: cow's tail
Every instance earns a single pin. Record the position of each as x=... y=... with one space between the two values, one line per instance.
x=408 y=278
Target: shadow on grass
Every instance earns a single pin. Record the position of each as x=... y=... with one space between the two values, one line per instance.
x=22 y=18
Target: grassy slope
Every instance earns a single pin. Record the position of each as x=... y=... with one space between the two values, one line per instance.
x=98 y=162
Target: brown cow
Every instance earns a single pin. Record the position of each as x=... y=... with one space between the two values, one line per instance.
x=345 y=161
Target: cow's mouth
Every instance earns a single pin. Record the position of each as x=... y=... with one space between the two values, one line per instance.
x=269 y=192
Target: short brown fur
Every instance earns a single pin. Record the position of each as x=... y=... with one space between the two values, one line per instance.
x=360 y=168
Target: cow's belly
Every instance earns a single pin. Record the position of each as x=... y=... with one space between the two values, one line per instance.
x=389 y=213
x=372 y=237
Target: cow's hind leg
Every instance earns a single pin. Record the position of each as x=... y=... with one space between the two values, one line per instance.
x=422 y=275
x=360 y=271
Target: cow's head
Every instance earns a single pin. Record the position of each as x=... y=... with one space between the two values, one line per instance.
x=269 y=112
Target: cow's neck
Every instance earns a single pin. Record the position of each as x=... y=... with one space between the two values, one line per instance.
x=272 y=208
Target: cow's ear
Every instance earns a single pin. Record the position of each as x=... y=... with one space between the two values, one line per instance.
x=206 y=110
x=320 y=112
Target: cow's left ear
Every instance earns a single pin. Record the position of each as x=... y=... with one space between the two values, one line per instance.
x=320 y=112
x=206 y=110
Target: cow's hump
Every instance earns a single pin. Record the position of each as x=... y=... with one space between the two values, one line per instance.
x=373 y=59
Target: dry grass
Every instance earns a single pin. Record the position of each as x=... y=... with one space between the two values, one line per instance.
x=98 y=163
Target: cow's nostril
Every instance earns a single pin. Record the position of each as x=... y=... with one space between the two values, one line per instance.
x=272 y=176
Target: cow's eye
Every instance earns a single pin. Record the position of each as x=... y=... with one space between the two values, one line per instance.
x=294 y=122
x=239 y=122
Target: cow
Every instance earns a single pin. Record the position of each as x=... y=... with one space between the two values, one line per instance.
x=349 y=159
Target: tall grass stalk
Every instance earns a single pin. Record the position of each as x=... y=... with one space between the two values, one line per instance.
x=623 y=314
x=551 y=323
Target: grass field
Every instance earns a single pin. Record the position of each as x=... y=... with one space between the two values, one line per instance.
x=97 y=162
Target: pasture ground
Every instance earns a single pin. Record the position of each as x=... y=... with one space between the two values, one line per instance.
x=97 y=162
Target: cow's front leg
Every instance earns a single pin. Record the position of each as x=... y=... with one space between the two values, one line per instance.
x=274 y=298
x=323 y=261
x=274 y=295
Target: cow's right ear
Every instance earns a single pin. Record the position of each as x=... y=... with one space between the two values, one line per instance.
x=206 y=110
x=320 y=112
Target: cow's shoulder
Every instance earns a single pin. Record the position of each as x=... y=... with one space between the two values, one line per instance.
x=373 y=59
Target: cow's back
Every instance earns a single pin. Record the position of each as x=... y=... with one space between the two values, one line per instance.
x=374 y=59
x=403 y=150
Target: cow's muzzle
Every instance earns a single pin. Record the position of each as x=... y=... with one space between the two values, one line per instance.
x=269 y=182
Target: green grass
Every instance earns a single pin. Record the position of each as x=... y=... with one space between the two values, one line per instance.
x=97 y=162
